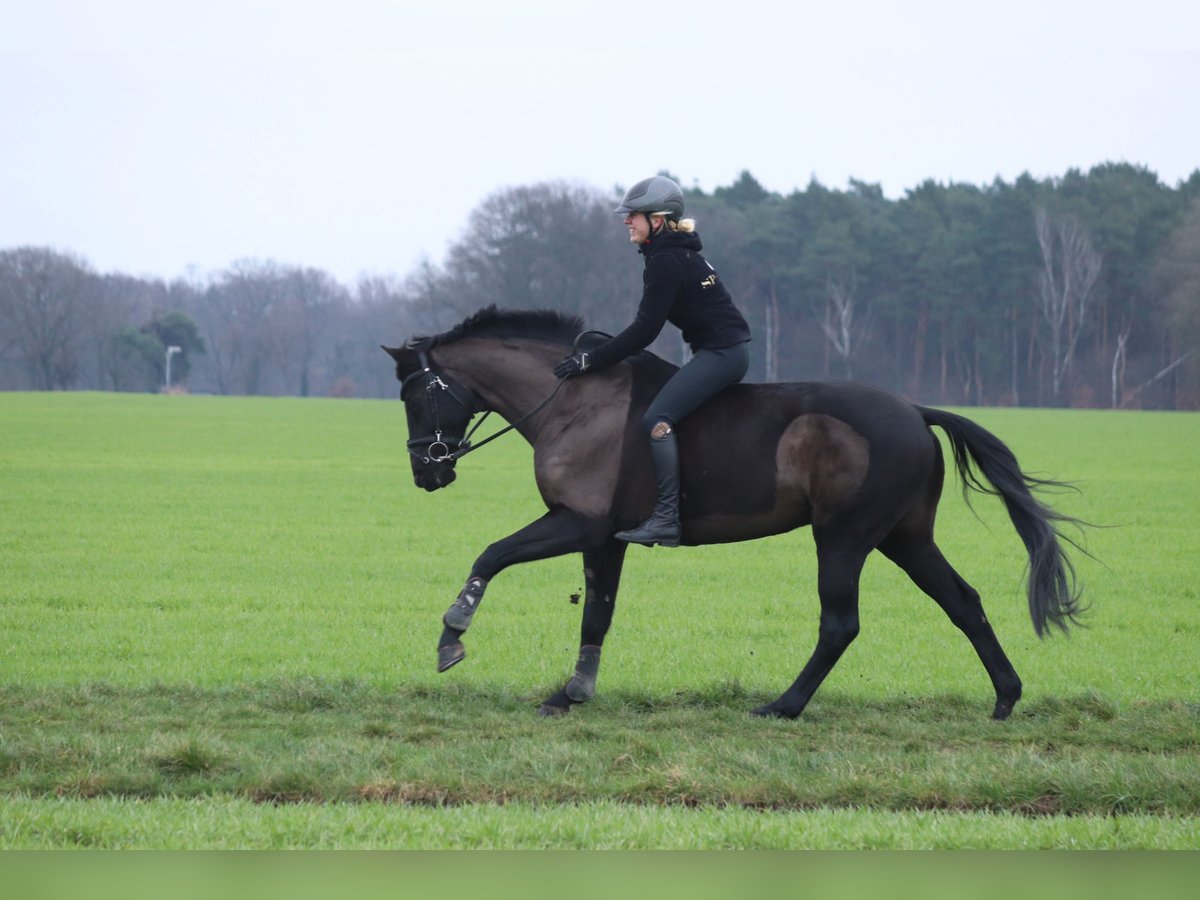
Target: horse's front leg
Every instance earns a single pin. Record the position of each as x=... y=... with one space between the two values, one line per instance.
x=602 y=574
x=559 y=531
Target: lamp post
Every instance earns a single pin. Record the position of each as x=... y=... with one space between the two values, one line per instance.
x=171 y=351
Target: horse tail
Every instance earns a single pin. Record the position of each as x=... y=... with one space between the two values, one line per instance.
x=1054 y=593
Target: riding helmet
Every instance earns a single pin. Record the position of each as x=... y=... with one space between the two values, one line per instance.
x=658 y=195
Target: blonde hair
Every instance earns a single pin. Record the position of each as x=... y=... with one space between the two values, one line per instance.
x=687 y=226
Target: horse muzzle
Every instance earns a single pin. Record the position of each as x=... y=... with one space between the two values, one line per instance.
x=432 y=478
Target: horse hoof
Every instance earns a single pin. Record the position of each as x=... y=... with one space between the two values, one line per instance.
x=770 y=711
x=451 y=655
x=548 y=711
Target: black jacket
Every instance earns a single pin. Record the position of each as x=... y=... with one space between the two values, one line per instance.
x=680 y=287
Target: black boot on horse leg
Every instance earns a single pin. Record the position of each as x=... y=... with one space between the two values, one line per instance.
x=663 y=525
x=456 y=621
x=581 y=687
x=559 y=531
x=602 y=570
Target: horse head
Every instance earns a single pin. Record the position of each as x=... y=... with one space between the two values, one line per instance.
x=438 y=411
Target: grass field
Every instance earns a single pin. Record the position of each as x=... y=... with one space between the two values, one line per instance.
x=218 y=619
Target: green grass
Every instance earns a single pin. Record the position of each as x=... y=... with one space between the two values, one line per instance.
x=311 y=741
x=218 y=619
x=227 y=823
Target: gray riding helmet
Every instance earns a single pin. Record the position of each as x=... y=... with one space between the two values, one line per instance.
x=658 y=195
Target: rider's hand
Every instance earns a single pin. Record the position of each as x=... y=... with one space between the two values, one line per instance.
x=575 y=364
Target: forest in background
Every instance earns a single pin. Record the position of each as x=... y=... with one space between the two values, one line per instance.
x=1081 y=290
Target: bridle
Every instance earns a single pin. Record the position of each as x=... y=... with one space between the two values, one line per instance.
x=436 y=447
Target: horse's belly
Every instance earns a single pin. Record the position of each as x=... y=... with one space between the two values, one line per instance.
x=728 y=529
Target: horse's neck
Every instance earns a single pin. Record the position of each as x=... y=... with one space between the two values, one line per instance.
x=511 y=377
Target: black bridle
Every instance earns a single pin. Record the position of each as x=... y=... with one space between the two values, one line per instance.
x=436 y=447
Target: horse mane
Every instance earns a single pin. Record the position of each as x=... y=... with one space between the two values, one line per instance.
x=538 y=324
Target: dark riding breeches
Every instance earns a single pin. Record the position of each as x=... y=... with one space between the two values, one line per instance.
x=701 y=379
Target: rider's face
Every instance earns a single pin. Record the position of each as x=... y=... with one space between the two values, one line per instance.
x=639 y=226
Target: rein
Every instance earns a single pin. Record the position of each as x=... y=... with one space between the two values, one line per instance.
x=463 y=446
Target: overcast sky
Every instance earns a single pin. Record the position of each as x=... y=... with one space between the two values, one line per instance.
x=356 y=137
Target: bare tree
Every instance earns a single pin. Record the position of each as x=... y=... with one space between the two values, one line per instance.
x=1118 y=368
x=1070 y=267
x=1158 y=376
x=838 y=322
x=379 y=314
x=771 y=329
x=552 y=245
x=41 y=294
x=238 y=327
x=310 y=298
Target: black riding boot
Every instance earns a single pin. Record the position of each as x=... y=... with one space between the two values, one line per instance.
x=663 y=525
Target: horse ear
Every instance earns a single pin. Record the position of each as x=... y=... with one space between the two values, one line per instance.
x=394 y=352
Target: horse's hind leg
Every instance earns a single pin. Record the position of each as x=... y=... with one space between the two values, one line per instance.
x=602 y=575
x=923 y=562
x=839 y=565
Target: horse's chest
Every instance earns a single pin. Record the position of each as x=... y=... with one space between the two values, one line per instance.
x=580 y=466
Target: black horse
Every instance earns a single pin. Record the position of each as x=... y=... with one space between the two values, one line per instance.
x=859 y=464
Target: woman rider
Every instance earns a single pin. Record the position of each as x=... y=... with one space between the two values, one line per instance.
x=680 y=287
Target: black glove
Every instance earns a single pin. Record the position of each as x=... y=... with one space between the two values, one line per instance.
x=575 y=364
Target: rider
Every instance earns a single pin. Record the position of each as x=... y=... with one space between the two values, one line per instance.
x=680 y=287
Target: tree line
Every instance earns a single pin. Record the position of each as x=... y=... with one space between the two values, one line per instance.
x=1079 y=290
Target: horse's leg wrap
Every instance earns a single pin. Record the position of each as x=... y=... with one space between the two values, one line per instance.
x=462 y=610
x=582 y=685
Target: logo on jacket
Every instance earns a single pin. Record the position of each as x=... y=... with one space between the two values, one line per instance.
x=708 y=282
